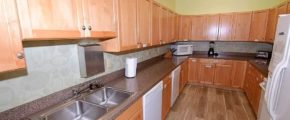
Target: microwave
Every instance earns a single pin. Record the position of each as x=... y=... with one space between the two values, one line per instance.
x=182 y=49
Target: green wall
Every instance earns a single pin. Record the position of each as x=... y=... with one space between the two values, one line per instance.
x=168 y=3
x=194 y=7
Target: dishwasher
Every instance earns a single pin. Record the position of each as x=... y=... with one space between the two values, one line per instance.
x=175 y=84
x=152 y=103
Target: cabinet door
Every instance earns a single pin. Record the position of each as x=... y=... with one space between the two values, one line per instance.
x=211 y=27
x=239 y=74
x=45 y=19
x=193 y=65
x=177 y=24
x=288 y=8
x=259 y=25
x=134 y=112
x=206 y=71
x=164 y=25
x=184 y=75
x=271 y=25
x=156 y=23
x=10 y=38
x=171 y=26
x=144 y=22
x=223 y=72
x=166 y=96
x=226 y=27
x=197 y=28
x=282 y=9
x=128 y=24
x=100 y=15
x=242 y=25
x=185 y=27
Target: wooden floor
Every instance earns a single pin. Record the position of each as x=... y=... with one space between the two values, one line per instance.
x=203 y=103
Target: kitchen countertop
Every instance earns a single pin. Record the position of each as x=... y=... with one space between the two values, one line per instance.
x=257 y=63
x=145 y=79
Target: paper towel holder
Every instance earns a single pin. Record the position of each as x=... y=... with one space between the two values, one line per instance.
x=91 y=59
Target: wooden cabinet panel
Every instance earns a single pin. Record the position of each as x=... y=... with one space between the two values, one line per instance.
x=282 y=9
x=259 y=25
x=206 y=71
x=238 y=74
x=185 y=27
x=144 y=21
x=184 y=75
x=288 y=8
x=134 y=112
x=128 y=24
x=42 y=19
x=242 y=25
x=99 y=15
x=226 y=27
x=197 y=28
x=171 y=26
x=10 y=38
x=193 y=65
x=211 y=27
x=164 y=25
x=223 y=72
x=177 y=24
x=271 y=25
x=156 y=24
x=166 y=96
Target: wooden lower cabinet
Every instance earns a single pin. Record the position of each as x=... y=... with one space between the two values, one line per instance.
x=166 y=96
x=223 y=72
x=252 y=88
x=193 y=70
x=238 y=74
x=183 y=75
x=134 y=112
x=206 y=71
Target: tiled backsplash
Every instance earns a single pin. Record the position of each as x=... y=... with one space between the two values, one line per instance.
x=54 y=68
x=241 y=47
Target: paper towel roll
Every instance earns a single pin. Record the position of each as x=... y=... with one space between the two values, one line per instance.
x=130 y=68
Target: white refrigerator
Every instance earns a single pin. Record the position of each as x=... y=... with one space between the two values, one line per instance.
x=277 y=95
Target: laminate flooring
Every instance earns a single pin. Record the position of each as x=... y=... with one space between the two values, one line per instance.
x=204 y=103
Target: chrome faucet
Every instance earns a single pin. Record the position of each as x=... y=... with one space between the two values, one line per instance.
x=91 y=87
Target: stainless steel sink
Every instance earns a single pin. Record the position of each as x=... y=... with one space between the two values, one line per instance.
x=108 y=97
x=78 y=110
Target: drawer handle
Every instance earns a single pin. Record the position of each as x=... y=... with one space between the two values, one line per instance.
x=165 y=86
x=208 y=66
x=20 y=55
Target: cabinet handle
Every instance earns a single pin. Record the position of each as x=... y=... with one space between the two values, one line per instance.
x=90 y=27
x=20 y=55
x=83 y=27
x=165 y=86
x=193 y=60
x=208 y=66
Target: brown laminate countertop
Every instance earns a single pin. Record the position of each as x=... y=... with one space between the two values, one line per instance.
x=145 y=79
x=256 y=62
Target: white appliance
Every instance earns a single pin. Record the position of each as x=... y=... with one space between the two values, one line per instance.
x=182 y=49
x=130 y=68
x=152 y=103
x=175 y=74
x=277 y=96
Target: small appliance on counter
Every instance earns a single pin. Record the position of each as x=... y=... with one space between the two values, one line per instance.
x=181 y=49
x=130 y=67
x=264 y=54
x=211 y=49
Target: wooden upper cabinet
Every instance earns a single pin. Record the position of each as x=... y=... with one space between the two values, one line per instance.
x=282 y=9
x=271 y=25
x=288 y=8
x=193 y=65
x=100 y=15
x=211 y=27
x=66 y=19
x=156 y=24
x=226 y=27
x=259 y=25
x=177 y=24
x=144 y=22
x=164 y=26
x=223 y=71
x=185 y=27
x=42 y=19
x=206 y=71
x=171 y=26
x=242 y=25
x=197 y=28
x=11 y=51
x=128 y=24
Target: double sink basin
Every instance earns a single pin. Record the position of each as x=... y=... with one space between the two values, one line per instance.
x=88 y=107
